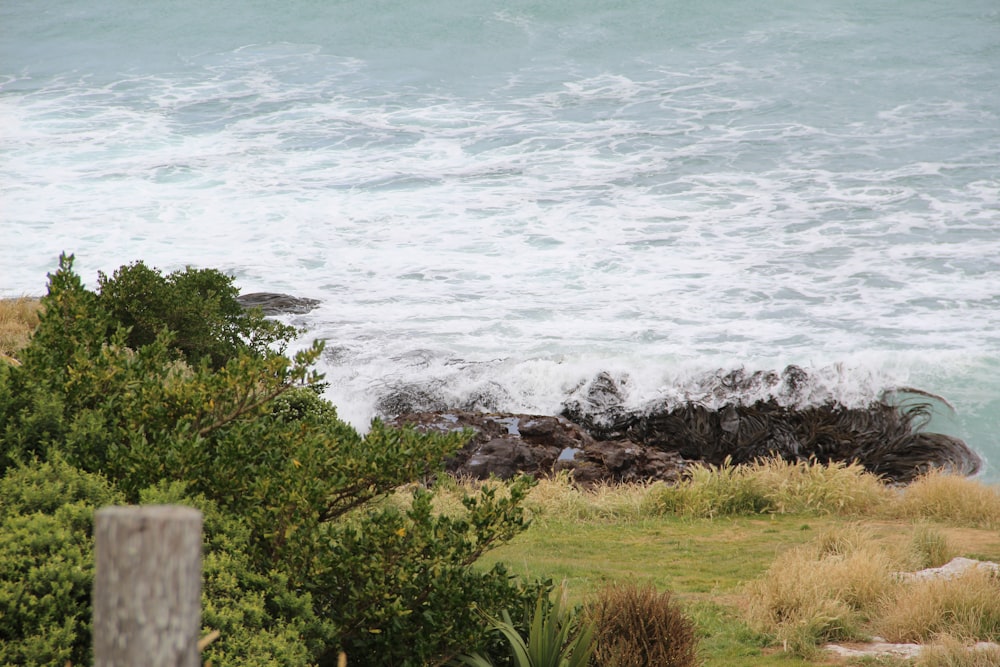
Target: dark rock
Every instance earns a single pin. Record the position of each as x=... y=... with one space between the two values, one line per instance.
x=277 y=304
x=599 y=406
x=884 y=438
x=504 y=445
x=404 y=398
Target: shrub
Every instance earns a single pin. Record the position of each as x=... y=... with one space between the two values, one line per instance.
x=46 y=562
x=197 y=306
x=149 y=395
x=638 y=627
x=413 y=596
x=261 y=619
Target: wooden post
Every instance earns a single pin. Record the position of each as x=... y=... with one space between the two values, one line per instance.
x=147 y=586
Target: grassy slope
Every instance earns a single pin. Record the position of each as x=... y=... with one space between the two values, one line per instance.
x=704 y=562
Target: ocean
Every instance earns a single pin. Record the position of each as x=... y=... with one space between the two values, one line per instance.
x=496 y=201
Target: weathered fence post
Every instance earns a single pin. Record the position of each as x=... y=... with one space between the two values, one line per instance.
x=147 y=586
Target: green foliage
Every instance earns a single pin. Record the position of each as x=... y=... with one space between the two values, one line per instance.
x=261 y=619
x=46 y=562
x=198 y=307
x=407 y=573
x=175 y=395
x=559 y=636
x=640 y=627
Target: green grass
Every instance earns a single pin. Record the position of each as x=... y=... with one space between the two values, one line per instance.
x=707 y=563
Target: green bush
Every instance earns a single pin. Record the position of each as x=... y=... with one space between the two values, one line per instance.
x=407 y=574
x=198 y=307
x=46 y=562
x=261 y=619
x=131 y=384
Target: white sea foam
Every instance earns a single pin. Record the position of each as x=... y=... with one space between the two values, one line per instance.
x=501 y=206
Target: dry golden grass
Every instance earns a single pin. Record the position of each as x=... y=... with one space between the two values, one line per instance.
x=843 y=586
x=832 y=488
x=929 y=547
x=966 y=606
x=823 y=591
x=775 y=487
x=18 y=319
x=950 y=498
x=766 y=487
x=559 y=498
x=948 y=651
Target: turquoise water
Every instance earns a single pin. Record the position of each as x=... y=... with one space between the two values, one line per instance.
x=497 y=200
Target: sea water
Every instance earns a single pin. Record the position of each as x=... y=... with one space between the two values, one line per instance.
x=495 y=201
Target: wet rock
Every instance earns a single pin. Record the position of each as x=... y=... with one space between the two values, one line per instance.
x=504 y=445
x=599 y=406
x=277 y=304
x=659 y=444
x=405 y=398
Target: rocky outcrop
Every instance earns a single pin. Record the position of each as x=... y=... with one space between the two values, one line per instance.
x=504 y=445
x=277 y=304
x=657 y=445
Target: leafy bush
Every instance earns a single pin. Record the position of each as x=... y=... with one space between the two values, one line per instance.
x=198 y=306
x=46 y=562
x=413 y=596
x=261 y=619
x=638 y=627
x=159 y=381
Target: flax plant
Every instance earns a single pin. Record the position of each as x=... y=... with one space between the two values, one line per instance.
x=558 y=637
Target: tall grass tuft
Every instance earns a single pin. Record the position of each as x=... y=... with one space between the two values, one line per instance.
x=636 y=626
x=560 y=498
x=821 y=488
x=18 y=319
x=965 y=606
x=929 y=547
x=711 y=491
x=774 y=486
x=947 y=651
x=819 y=592
x=952 y=498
